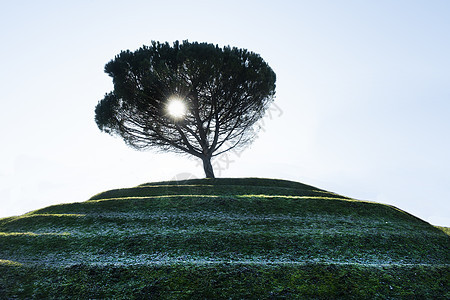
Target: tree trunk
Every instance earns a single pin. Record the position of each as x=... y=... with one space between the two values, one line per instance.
x=209 y=172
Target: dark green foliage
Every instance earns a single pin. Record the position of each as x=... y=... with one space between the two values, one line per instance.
x=221 y=239
x=225 y=91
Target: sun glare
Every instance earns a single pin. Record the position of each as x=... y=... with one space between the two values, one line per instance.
x=176 y=108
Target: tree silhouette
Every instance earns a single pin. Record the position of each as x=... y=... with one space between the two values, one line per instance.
x=193 y=98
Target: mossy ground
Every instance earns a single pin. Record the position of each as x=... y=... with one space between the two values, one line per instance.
x=222 y=238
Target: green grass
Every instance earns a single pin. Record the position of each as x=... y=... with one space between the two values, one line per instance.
x=223 y=238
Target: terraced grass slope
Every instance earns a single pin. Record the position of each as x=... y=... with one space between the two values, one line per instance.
x=222 y=238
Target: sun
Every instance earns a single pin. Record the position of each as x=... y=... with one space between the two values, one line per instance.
x=176 y=108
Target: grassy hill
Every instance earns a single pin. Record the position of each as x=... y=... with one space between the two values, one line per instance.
x=219 y=239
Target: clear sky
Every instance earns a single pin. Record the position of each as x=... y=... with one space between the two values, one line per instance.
x=362 y=105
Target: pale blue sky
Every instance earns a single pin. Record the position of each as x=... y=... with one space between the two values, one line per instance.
x=363 y=89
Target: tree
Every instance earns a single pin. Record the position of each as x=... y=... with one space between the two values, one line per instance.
x=192 y=98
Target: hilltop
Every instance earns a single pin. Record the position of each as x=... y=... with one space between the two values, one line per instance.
x=222 y=238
